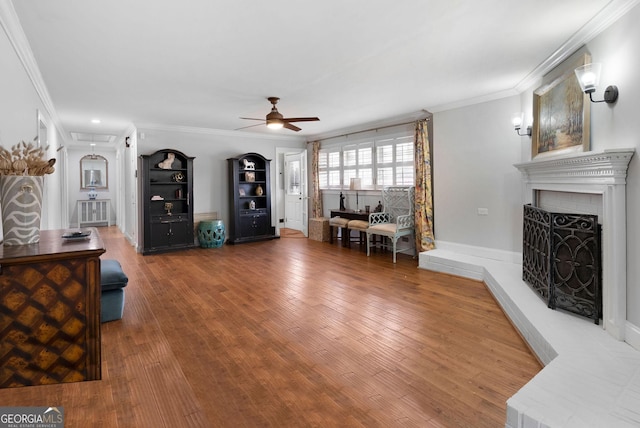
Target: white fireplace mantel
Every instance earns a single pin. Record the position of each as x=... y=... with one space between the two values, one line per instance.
x=602 y=173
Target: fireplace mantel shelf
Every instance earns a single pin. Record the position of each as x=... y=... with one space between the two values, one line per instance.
x=606 y=167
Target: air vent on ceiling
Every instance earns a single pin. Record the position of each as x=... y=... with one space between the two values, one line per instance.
x=93 y=138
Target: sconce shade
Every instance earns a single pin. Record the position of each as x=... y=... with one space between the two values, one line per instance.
x=516 y=120
x=589 y=76
x=355 y=184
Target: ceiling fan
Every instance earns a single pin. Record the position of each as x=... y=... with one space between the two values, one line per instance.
x=275 y=120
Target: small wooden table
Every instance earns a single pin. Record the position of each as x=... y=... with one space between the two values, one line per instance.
x=50 y=310
x=350 y=214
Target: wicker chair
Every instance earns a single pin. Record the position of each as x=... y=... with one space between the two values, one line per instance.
x=396 y=221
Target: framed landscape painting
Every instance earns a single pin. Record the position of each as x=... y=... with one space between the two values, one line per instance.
x=561 y=113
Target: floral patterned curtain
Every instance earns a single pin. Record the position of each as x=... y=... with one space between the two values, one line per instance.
x=316 y=199
x=424 y=198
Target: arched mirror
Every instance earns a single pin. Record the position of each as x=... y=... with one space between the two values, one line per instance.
x=93 y=172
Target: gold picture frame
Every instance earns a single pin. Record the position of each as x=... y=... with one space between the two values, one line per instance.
x=561 y=112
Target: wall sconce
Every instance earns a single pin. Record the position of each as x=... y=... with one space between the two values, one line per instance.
x=516 y=120
x=589 y=76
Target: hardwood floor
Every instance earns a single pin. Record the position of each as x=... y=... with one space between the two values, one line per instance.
x=294 y=333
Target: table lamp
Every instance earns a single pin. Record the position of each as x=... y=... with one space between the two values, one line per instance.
x=356 y=184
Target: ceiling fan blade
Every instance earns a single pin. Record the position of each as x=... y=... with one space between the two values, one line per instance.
x=290 y=126
x=250 y=126
x=300 y=119
x=251 y=118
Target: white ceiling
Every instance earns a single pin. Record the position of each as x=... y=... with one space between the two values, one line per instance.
x=206 y=63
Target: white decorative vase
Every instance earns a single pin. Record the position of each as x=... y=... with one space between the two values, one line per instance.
x=92 y=193
x=21 y=202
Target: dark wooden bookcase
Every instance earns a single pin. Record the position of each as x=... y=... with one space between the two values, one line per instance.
x=250 y=208
x=166 y=202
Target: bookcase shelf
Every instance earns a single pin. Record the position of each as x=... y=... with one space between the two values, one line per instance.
x=249 y=199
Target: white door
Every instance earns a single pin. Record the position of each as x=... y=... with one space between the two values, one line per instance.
x=295 y=191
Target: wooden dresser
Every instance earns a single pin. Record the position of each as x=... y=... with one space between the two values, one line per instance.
x=50 y=310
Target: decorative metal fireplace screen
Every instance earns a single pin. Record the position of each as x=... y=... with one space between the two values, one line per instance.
x=561 y=260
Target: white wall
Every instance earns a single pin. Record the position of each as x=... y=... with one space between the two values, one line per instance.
x=128 y=190
x=474 y=149
x=19 y=104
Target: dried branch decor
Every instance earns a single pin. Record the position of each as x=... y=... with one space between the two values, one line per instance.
x=25 y=159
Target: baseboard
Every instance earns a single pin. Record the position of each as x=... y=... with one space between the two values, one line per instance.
x=484 y=252
x=632 y=335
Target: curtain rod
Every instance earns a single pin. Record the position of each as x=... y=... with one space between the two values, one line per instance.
x=367 y=130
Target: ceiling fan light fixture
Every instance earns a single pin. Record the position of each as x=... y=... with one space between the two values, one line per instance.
x=274 y=124
x=275 y=120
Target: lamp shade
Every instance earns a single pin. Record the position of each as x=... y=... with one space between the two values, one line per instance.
x=355 y=184
x=589 y=76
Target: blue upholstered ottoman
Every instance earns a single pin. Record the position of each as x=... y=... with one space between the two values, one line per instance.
x=112 y=280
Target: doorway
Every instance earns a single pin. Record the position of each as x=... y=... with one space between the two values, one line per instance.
x=295 y=192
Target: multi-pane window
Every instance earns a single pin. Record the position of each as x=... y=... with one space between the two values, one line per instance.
x=377 y=162
x=384 y=163
x=329 y=168
x=404 y=162
x=357 y=162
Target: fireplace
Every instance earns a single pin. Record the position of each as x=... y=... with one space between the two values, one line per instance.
x=561 y=260
x=596 y=173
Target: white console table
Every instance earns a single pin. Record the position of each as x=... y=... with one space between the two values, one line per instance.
x=94 y=211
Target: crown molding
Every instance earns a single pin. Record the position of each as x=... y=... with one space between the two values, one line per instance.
x=11 y=23
x=389 y=122
x=603 y=20
x=141 y=127
x=472 y=101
